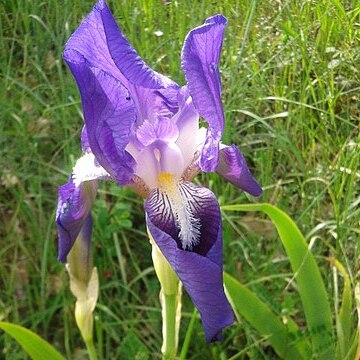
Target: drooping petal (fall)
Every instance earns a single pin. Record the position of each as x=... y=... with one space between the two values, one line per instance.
x=200 y=59
x=75 y=201
x=73 y=212
x=200 y=270
x=232 y=166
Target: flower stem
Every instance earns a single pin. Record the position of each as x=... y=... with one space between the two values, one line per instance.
x=91 y=349
x=170 y=299
x=169 y=305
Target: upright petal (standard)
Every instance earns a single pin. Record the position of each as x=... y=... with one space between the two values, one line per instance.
x=200 y=59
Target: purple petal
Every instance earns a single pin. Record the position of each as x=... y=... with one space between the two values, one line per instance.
x=161 y=129
x=232 y=166
x=200 y=59
x=200 y=270
x=109 y=115
x=151 y=104
x=73 y=213
x=100 y=42
x=89 y=41
x=125 y=56
x=85 y=146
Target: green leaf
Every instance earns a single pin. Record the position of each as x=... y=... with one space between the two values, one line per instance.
x=357 y=300
x=133 y=348
x=188 y=335
x=286 y=340
x=34 y=345
x=307 y=275
x=344 y=317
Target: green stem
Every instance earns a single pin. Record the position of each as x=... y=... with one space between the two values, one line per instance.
x=188 y=335
x=91 y=349
x=170 y=298
x=169 y=326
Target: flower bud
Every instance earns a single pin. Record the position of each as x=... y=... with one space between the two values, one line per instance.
x=84 y=281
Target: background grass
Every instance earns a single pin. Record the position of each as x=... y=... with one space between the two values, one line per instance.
x=291 y=92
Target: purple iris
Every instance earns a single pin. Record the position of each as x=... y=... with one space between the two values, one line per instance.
x=142 y=130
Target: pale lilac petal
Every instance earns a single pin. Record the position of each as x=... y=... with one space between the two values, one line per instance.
x=73 y=213
x=161 y=129
x=200 y=270
x=187 y=121
x=171 y=158
x=200 y=59
x=159 y=157
x=109 y=115
x=232 y=166
x=147 y=167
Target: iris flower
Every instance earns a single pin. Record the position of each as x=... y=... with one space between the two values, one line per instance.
x=142 y=129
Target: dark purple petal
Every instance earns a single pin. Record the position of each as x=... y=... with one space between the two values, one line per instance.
x=200 y=59
x=89 y=41
x=125 y=56
x=200 y=270
x=100 y=42
x=73 y=213
x=109 y=115
x=232 y=166
x=151 y=104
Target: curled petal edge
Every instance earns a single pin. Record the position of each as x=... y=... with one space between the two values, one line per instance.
x=233 y=168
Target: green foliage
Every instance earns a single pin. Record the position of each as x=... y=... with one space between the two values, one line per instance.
x=34 y=345
x=283 y=337
x=347 y=340
x=291 y=99
x=313 y=295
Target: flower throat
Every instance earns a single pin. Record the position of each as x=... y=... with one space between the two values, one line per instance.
x=185 y=220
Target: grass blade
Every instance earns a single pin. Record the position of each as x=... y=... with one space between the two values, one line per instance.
x=33 y=344
x=188 y=335
x=306 y=272
x=357 y=299
x=284 y=339
x=344 y=317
